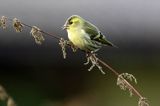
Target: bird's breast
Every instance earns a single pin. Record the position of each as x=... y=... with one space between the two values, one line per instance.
x=78 y=38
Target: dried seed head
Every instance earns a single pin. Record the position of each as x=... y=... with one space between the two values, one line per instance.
x=11 y=102
x=17 y=25
x=37 y=35
x=123 y=85
x=94 y=61
x=63 y=44
x=3 y=22
x=143 y=102
x=129 y=77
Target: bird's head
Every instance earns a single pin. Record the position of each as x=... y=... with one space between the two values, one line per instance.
x=73 y=22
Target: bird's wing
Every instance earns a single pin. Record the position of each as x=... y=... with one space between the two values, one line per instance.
x=95 y=34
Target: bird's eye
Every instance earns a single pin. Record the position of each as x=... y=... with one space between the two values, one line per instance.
x=70 y=22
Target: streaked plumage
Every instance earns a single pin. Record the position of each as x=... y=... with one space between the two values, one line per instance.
x=85 y=35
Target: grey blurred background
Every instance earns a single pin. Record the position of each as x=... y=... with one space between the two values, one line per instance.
x=39 y=76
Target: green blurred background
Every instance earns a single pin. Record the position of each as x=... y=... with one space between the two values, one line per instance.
x=39 y=76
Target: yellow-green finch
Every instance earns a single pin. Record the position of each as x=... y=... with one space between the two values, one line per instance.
x=85 y=35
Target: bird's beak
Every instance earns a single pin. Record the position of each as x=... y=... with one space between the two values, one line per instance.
x=65 y=26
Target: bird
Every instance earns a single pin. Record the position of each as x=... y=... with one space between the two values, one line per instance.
x=84 y=35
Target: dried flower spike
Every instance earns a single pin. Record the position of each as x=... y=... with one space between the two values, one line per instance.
x=94 y=61
x=123 y=85
x=63 y=44
x=17 y=25
x=37 y=35
x=143 y=102
x=3 y=22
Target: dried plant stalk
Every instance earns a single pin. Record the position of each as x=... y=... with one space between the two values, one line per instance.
x=91 y=57
x=37 y=35
x=123 y=85
x=143 y=102
x=17 y=25
x=63 y=44
x=3 y=22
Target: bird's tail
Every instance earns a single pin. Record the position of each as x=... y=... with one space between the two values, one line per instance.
x=108 y=43
x=105 y=41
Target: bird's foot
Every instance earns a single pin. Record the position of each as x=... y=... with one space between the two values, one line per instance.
x=73 y=47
